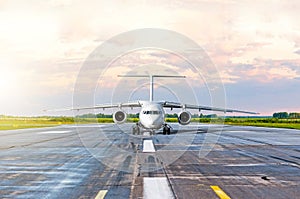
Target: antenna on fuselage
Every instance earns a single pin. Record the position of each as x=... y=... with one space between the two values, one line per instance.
x=151 y=78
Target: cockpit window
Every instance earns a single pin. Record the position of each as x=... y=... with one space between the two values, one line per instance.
x=152 y=112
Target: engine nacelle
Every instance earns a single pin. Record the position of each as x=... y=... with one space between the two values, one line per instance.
x=119 y=117
x=184 y=117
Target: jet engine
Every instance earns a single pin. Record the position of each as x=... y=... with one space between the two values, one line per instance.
x=119 y=117
x=184 y=117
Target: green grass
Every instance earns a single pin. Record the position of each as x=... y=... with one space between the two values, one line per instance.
x=21 y=123
x=274 y=125
x=8 y=123
x=260 y=122
x=265 y=122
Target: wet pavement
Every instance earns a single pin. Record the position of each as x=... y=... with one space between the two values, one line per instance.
x=104 y=161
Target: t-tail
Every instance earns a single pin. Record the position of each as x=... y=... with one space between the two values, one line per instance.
x=151 y=81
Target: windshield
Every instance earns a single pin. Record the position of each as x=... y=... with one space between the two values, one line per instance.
x=152 y=112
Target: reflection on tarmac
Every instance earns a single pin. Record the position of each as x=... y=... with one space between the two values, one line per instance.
x=246 y=162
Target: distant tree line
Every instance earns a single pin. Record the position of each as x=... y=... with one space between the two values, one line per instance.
x=282 y=115
x=101 y=115
x=174 y=115
x=91 y=115
x=279 y=115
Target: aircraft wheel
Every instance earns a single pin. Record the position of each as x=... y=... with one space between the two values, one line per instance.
x=168 y=131
x=138 y=130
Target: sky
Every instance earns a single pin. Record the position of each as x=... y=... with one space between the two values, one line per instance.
x=255 y=46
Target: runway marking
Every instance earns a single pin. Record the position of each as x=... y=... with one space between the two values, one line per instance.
x=101 y=194
x=85 y=126
x=219 y=192
x=245 y=165
x=53 y=132
x=157 y=187
x=148 y=146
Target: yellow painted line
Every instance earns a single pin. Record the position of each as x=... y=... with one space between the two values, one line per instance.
x=220 y=192
x=101 y=194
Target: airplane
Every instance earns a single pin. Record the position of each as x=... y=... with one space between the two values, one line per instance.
x=152 y=113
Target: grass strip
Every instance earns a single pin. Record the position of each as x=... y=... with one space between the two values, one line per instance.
x=9 y=123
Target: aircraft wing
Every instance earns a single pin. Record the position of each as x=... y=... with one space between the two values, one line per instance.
x=206 y=108
x=102 y=106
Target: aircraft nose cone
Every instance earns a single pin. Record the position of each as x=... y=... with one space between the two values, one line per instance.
x=153 y=122
x=157 y=122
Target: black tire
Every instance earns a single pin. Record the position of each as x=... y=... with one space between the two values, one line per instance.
x=164 y=131
x=169 y=131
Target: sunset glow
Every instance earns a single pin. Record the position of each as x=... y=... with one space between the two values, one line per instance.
x=255 y=46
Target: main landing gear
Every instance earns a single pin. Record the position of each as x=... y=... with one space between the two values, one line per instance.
x=136 y=129
x=166 y=129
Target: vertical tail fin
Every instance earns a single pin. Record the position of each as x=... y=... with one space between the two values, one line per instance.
x=151 y=78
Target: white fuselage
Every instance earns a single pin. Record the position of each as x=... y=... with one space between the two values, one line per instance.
x=152 y=115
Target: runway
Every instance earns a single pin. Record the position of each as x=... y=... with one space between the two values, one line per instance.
x=105 y=161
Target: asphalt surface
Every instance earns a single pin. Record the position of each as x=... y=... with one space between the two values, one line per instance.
x=104 y=161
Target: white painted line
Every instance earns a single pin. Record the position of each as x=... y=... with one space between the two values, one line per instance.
x=157 y=187
x=84 y=126
x=245 y=165
x=53 y=132
x=148 y=146
x=245 y=131
x=101 y=194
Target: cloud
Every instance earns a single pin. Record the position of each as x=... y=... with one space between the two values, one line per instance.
x=297 y=52
x=46 y=42
x=265 y=70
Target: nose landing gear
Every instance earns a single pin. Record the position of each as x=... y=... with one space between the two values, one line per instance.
x=137 y=129
x=166 y=129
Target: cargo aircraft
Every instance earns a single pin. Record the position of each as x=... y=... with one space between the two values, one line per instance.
x=152 y=114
